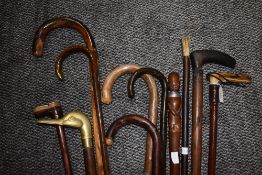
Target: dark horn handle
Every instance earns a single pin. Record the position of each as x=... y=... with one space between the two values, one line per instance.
x=201 y=57
x=89 y=158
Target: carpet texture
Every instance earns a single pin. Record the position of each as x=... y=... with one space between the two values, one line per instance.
x=146 y=33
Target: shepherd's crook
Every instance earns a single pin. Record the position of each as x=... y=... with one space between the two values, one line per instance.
x=163 y=117
x=90 y=49
x=78 y=120
x=149 y=127
x=153 y=102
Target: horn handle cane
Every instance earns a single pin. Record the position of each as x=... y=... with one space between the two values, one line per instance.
x=174 y=122
x=54 y=111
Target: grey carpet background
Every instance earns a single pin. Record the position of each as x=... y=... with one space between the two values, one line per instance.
x=147 y=33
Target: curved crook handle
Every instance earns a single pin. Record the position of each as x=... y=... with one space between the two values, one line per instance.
x=148 y=126
x=98 y=124
x=153 y=101
x=60 y=22
x=163 y=113
x=71 y=50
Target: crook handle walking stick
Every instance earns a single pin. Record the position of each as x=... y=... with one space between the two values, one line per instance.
x=149 y=127
x=163 y=115
x=54 y=111
x=153 y=102
x=174 y=122
x=185 y=105
x=216 y=79
x=38 y=45
x=98 y=125
x=78 y=120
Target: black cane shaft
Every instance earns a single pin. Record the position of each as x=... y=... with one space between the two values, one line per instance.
x=214 y=100
x=89 y=158
x=185 y=114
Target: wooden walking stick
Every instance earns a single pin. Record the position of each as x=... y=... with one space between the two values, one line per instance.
x=174 y=122
x=198 y=59
x=153 y=102
x=78 y=120
x=95 y=93
x=38 y=46
x=149 y=127
x=215 y=80
x=54 y=111
x=185 y=105
x=163 y=113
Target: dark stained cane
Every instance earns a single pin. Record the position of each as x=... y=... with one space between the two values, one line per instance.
x=198 y=59
x=163 y=113
x=174 y=122
x=149 y=127
x=38 y=49
x=216 y=79
x=185 y=105
x=54 y=111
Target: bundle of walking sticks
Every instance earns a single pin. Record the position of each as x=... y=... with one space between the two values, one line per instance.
x=174 y=111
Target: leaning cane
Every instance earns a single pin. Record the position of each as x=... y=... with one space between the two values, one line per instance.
x=215 y=80
x=174 y=122
x=198 y=59
x=185 y=105
x=149 y=127
x=38 y=47
x=54 y=111
x=95 y=89
x=153 y=102
x=78 y=120
x=163 y=113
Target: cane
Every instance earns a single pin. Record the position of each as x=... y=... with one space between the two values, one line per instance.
x=153 y=102
x=163 y=116
x=185 y=105
x=198 y=59
x=54 y=111
x=38 y=46
x=95 y=93
x=78 y=120
x=149 y=127
x=174 y=122
x=215 y=80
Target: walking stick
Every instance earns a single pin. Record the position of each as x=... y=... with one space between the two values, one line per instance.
x=163 y=115
x=54 y=111
x=198 y=59
x=149 y=127
x=95 y=92
x=153 y=102
x=38 y=45
x=78 y=120
x=174 y=122
x=216 y=79
x=185 y=105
